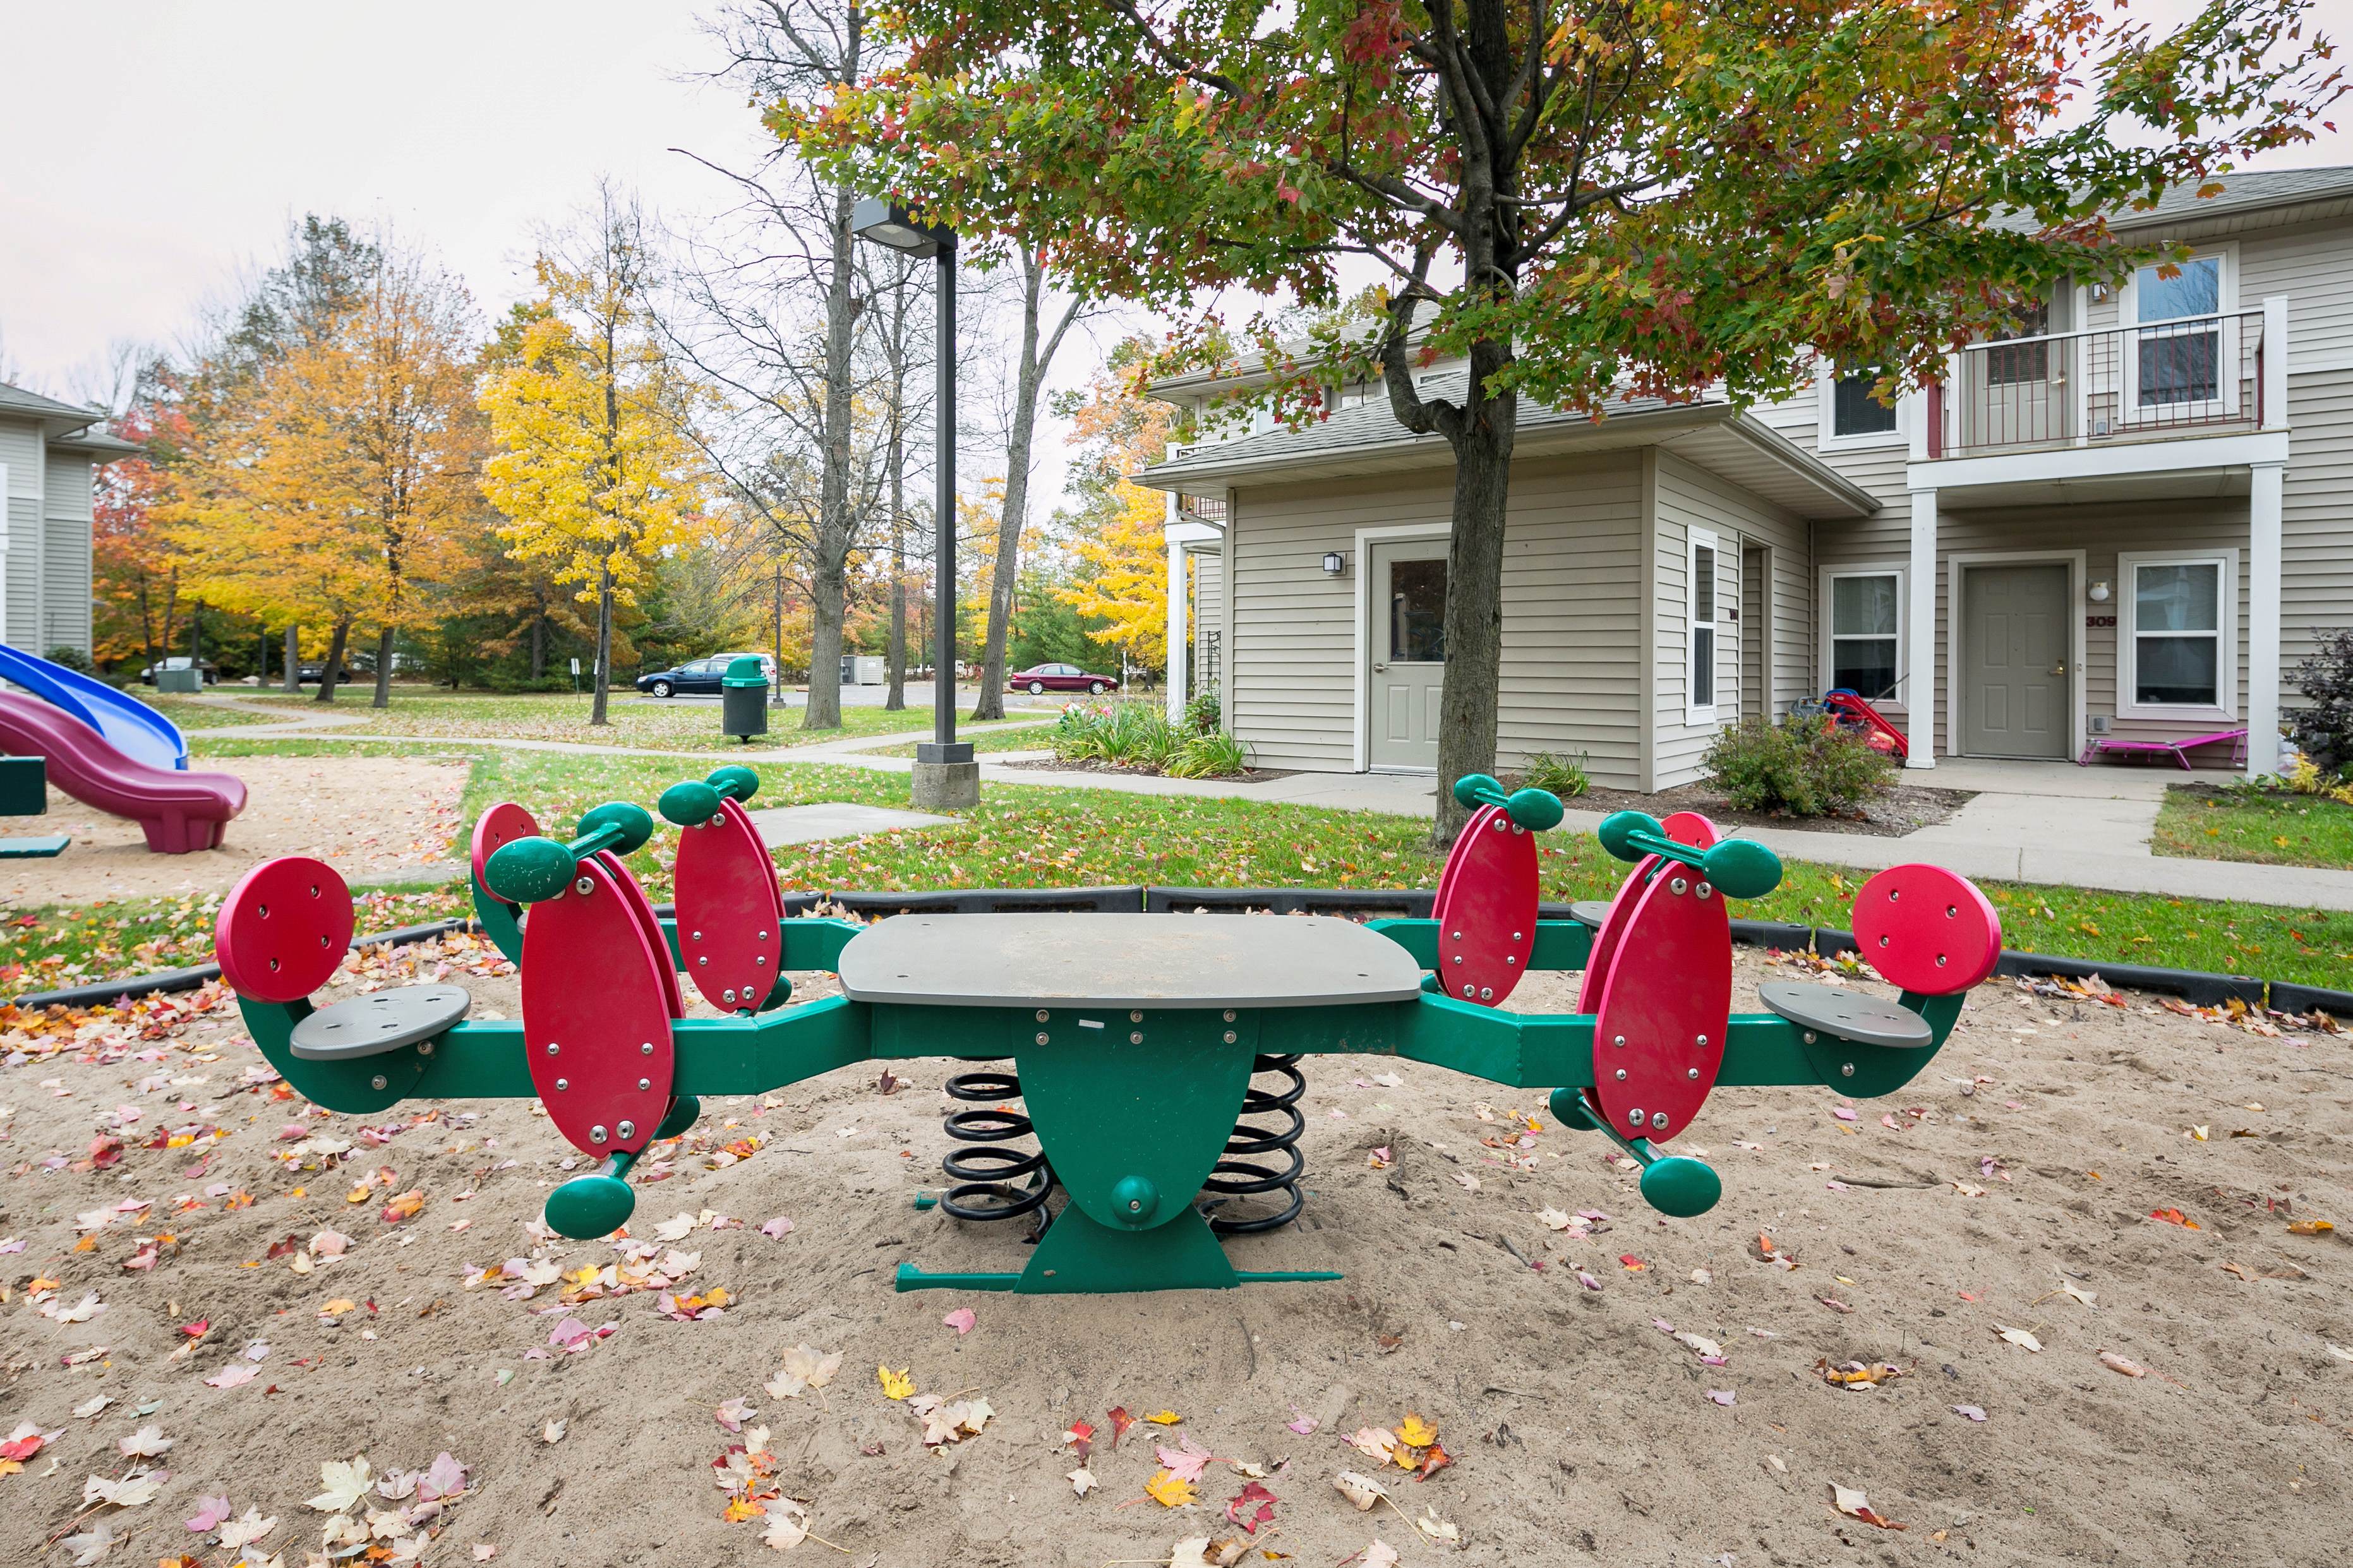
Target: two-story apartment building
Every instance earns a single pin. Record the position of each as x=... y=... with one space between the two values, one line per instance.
x=47 y=451
x=2130 y=521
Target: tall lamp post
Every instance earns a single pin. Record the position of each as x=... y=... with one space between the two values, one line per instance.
x=945 y=773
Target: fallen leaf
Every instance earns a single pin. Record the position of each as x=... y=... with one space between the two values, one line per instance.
x=2019 y=1336
x=806 y=1367
x=788 y=1524
x=1362 y=1490
x=1165 y=1418
x=2124 y=1364
x=552 y=1432
x=1856 y=1374
x=895 y=1385
x=1415 y=1432
x=1169 y=1490
x=2309 y=1227
x=1377 y=1444
x=1970 y=1411
x=1082 y=1480
x=1723 y=1397
x=1854 y=1504
x=1251 y=1507
x=345 y=1482
x=1186 y=1461
x=1120 y=1422
x=2077 y=1293
x=2174 y=1216
x=961 y=1319
x=234 y=1374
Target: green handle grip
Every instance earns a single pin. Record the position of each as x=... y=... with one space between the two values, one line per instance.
x=1738 y=868
x=530 y=870
x=697 y=800
x=1533 y=809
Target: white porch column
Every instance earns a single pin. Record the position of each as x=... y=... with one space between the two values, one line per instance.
x=1178 y=642
x=2263 y=620
x=1920 y=635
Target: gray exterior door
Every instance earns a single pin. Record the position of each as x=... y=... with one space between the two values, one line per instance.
x=1407 y=594
x=2017 y=692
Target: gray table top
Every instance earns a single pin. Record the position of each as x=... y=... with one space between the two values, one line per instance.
x=1124 y=961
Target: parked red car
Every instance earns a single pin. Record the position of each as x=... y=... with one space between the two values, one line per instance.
x=1041 y=678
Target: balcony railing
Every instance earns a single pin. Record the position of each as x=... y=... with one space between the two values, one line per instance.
x=2197 y=376
x=1208 y=509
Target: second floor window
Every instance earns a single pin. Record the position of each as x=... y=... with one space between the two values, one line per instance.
x=1854 y=411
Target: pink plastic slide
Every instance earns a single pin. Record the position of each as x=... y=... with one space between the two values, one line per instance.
x=181 y=812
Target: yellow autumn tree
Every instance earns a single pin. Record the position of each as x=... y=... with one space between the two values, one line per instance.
x=339 y=484
x=594 y=467
x=1118 y=531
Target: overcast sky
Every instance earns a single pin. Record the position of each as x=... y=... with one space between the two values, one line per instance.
x=156 y=151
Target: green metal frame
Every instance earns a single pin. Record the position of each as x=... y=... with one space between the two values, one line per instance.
x=1133 y=1114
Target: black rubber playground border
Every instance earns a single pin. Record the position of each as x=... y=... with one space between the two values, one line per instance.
x=1369 y=903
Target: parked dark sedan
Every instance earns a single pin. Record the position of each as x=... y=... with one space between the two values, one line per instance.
x=1041 y=678
x=700 y=677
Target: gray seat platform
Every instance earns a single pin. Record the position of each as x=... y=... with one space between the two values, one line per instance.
x=380 y=1021
x=1589 y=913
x=1850 y=1014
x=1124 y=961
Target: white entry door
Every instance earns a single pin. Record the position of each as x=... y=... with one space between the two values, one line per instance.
x=1409 y=652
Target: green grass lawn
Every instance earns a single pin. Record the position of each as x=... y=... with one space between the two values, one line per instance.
x=1029 y=836
x=190 y=714
x=2203 y=823
x=676 y=725
x=1018 y=737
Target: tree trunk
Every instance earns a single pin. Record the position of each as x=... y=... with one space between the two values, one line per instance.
x=383 y=698
x=1030 y=376
x=147 y=621
x=171 y=611
x=539 y=641
x=829 y=584
x=597 y=709
x=837 y=520
x=1474 y=586
x=334 y=670
x=293 y=660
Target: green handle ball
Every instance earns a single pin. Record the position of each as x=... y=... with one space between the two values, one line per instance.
x=689 y=803
x=682 y=1112
x=735 y=779
x=529 y=870
x=636 y=823
x=1676 y=1185
x=1474 y=789
x=1135 y=1200
x=1533 y=809
x=1742 y=868
x=587 y=1207
x=1618 y=828
x=1569 y=1110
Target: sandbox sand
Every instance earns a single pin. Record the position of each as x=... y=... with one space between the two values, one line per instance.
x=369 y=816
x=2028 y=1157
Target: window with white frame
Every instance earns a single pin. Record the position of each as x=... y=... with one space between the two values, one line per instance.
x=1851 y=416
x=1864 y=631
x=1700 y=700
x=2176 y=647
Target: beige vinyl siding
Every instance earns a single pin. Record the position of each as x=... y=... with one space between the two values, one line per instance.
x=1572 y=583
x=2315 y=517
x=66 y=553
x=21 y=455
x=1683 y=497
x=1572 y=565
x=1291 y=692
x=2101 y=532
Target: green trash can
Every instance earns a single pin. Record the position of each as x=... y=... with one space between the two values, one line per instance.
x=743 y=699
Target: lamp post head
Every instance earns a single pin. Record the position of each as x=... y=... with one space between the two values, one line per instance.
x=886 y=223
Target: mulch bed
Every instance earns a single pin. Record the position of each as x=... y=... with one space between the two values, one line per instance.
x=1899 y=811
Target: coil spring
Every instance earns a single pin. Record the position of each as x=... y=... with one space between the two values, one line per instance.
x=1250 y=1175
x=987 y=1171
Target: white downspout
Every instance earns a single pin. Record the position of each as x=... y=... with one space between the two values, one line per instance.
x=1920 y=678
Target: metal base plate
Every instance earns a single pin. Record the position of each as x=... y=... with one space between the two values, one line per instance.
x=1850 y=1014
x=379 y=1021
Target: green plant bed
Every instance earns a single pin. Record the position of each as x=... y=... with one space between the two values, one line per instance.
x=2271 y=828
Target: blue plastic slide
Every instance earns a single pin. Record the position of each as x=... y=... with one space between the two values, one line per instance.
x=128 y=724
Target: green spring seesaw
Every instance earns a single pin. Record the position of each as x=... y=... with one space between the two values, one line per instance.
x=1133 y=1037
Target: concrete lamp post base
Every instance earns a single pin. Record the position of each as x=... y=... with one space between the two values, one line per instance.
x=946 y=777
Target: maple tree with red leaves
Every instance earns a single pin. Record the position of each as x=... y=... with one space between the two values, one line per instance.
x=1583 y=203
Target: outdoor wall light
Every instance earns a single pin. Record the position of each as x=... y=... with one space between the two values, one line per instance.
x=1335 y=563
x=2100 y=592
